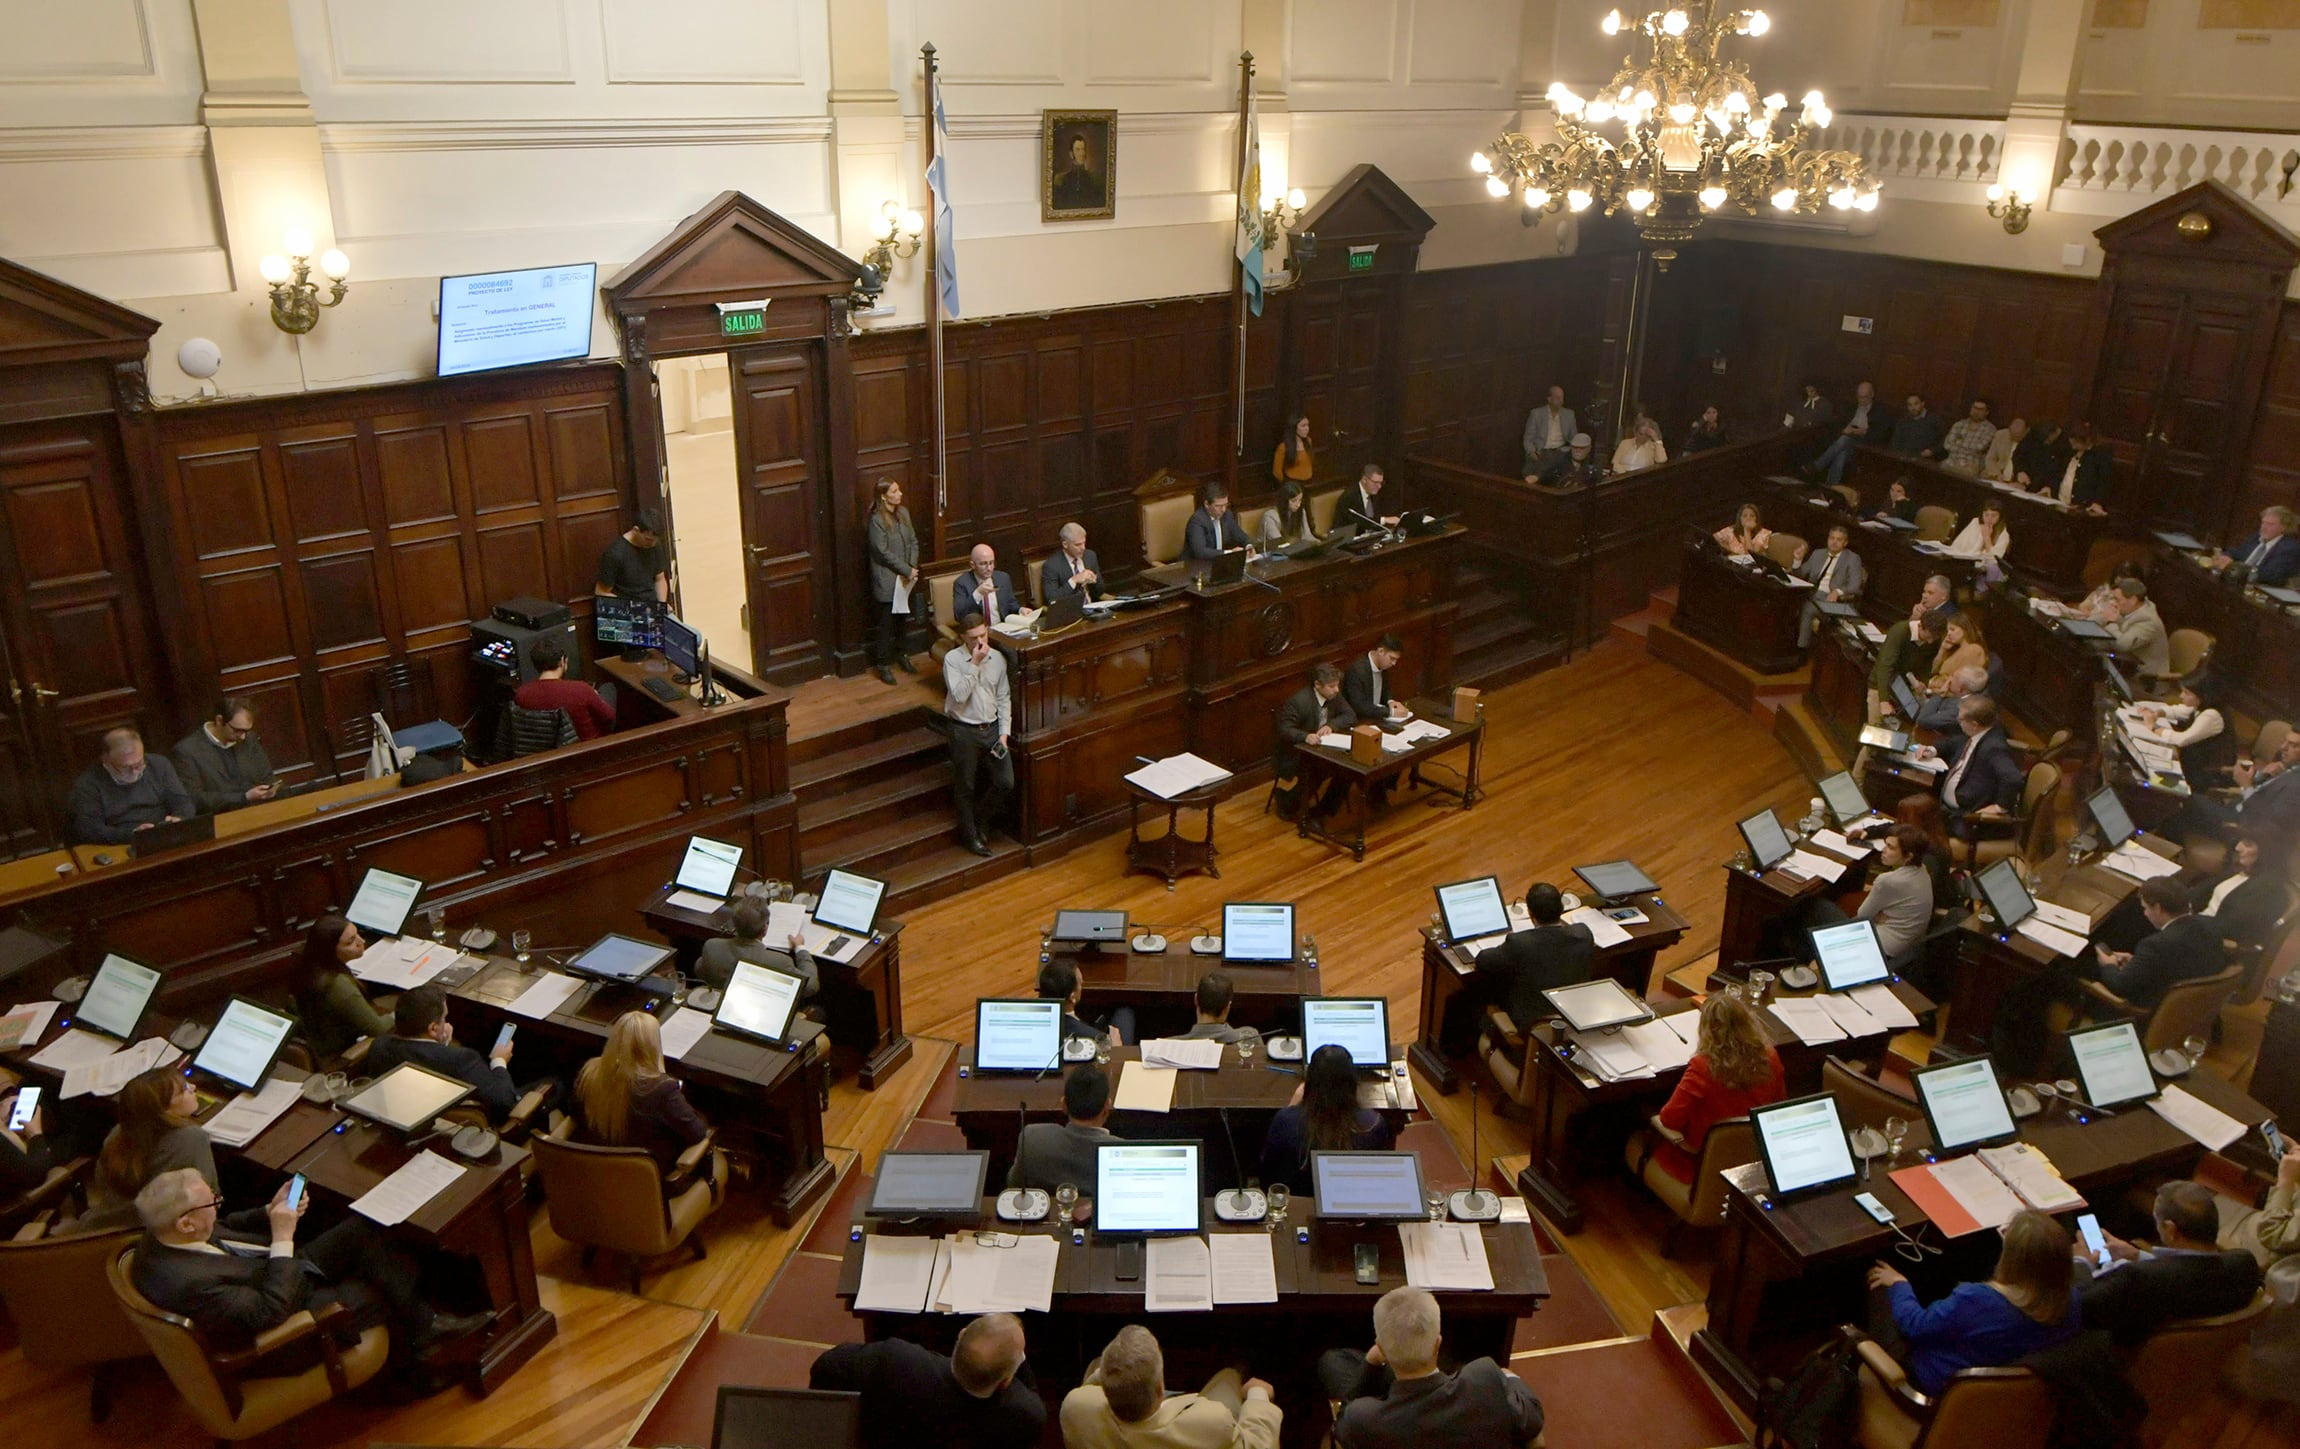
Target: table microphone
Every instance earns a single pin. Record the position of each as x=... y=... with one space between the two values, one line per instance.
x=1473 y=1204
x=1241 y=1204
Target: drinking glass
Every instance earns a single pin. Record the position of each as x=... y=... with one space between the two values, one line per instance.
x=1435 y=1198
x=1246 y=1045
x=1065 y=1201
x=1896 y=1133
x=1760 y=988
x=1279 y=1196
x=437 y=916
x=1102 y=1050
x=1310 y=950
x=2194 y=1048
x=2047 y=1097
x=520 y=941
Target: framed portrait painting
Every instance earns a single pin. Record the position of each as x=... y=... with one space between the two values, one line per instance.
x=1078 y=171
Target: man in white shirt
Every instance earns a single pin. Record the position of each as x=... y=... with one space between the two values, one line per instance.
x=1856 y=430
x=1968 y=439
x=981 y=711
x=1549 y=431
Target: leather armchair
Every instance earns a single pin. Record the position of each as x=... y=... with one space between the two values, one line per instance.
x=1699 y=1204
x=2187 y=1010
x=2183 y=1354
x=65 y=1316
x=1985 y=1408
x=620 y=1200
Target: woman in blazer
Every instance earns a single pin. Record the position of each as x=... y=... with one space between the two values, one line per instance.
x=893 y=563
x=624 y=1097
x=1294 y=462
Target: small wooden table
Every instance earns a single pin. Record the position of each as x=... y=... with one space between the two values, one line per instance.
x=1172 y=855
x=1321 y=765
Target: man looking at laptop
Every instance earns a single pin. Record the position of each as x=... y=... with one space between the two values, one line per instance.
x=125 y=792
x=223 y=764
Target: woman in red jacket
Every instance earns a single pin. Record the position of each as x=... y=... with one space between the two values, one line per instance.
x=1733 y=1069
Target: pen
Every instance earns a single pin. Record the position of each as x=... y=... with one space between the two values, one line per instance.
x=1289 y=1071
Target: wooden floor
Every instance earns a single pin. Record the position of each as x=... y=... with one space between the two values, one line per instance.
x=1611 y=755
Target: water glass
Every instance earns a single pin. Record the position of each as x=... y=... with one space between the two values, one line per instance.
x=2047 y=1097
x=1760 y=988
x=1435 y=1198
x=2194 y=1048
x=1896 y=1133
x=1246 y=1045
x=520 y=941
x=437 y=916
x=1279 y=1197
x=1102 y=1050
x=1065 y=1201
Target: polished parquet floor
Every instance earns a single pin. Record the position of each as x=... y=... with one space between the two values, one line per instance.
x=1612 y=755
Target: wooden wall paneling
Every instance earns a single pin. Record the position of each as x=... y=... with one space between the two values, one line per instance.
x=2273 y=472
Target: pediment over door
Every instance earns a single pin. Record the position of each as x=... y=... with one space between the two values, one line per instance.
x=2235 y=244
x=44 y=321
x=733 y=250
x=1365 y=211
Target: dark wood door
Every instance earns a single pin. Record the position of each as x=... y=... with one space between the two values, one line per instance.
x=1342 y=353
x=2176 y=372
x=78 y=647
x=780 y=468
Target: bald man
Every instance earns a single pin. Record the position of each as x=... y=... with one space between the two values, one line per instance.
x=984 y=589
x=981 y=1397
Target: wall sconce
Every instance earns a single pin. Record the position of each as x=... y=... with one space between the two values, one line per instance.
x=295 y=296
x=2012 y=207
x=1281 y=213
x=900 y=234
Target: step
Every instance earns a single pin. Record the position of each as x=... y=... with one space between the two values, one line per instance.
x=1808 y=742
x=1468 y=638
x=875 y=758
x=1634 y=628
x=1717 y=669
x=925 y=786
x=878 y=849
x=939 y=874
x=809 y=748
x=1507 y=663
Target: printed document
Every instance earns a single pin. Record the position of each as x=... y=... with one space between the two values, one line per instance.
x=548 y=993
x=1243 y=1269
x=1144 y=1089
x=404 y=1194
x=1178 y=775
x=896 y=1272
x=1201 y=1053
x=1446 y=1255
x=1178 y=1275
x=686 y=1027
x=243 y=1119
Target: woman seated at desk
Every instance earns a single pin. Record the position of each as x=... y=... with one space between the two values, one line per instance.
x=624 y=1097
x=2025 y=1306
x=1323 y=1117
x=1733 y=1069
x=1924 y=813
x=1289 y=521
x=2249 y=896
x=1984 y=537
x=329 y=1000
x=2196 y=728
x=1745 y=535
x=157 y=1133
x=1962 y=647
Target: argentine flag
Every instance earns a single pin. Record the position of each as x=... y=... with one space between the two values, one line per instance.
x=1251 y=241
x=945 y=234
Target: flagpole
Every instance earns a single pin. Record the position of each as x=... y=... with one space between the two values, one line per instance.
x=1238 y=270
x=941 y=458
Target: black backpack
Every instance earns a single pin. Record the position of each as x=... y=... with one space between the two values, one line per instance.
x=1818 y=1406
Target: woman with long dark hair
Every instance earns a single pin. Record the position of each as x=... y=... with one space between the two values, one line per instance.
x=329 y=1000
x=156 y=1134
x=1323 y=1117
x=1746 y=534
x=1295 y=461
x=1289 y=521
x=2196 y=727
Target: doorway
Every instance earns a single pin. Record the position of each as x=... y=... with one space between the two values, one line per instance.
x=706 y=505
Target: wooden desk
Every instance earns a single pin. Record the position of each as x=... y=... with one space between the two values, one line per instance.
x=861 y=997
x=1325 y=766
x=2050 y=674
x=267 y=813
x=1787 y=1272
x=1748 y=614
x=1162 y=986
x=763 y=1101
x=38 y=872
x=1754 y=901
x=635 y=707
x=1839 y=694
x=1447 y=969
x=2050 y=544
x=2256 y=641
x=1894 y=569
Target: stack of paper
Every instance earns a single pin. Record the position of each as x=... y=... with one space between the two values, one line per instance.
x=686 y=1027
x=1604 y=930
x=1397 y=744
x=1961 y=1195
x=1017 y=1276
x=1813 y=867
x=896 y=1274
x=243 y=1119
x=1418 y=730
x=1831 y=840
x=1661 y=1047
x=403 y=963
x=1144 y=1089
x=1198 y=1053
x=1178 y=1275
x=1931 y=765
x=403 y=1194
x=787 y=918
x=1612 y=1058
x=1879 y=1001
x=75 y=1048
x=2051 y=937
x=1178 y=775
x=2063 y=917
x=1872 y=633
x=1849 y=1014
x=694 y=901
x=2031 y=1174
x=1244 y=1271
x=2196 y=1117
x=1446 y=1255
x=547 y=994
x=2138 y=862
x=1806 y=1019
x=26 y=1024
x=117 y=1070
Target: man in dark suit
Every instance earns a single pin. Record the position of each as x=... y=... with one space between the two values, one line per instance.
x=1073 y=572
x=981 y=1397
x=235 y=1283
x=1983 y=778
x=2268 y=795
x=1917 y=433
x=2184 y=1276
x=1311 y=714
x=2273 y=554
x=984 y=587
x=2085 y=473
x=420 y=1034
x=2182 y=946
x=1058 y=980
x=1361 y=504
x=1048 y=1155
x=1396 y=1397
x=1213 y=528
x=1514 y=972
x=1366 y=683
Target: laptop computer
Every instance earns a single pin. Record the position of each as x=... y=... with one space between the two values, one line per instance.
x=2111 y=1065
x=171 y=835
x=1061 y=614
x=1226 y=567
x=1768 y=843
x=1904 y=697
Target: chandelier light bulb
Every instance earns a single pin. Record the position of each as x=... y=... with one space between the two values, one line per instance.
x=1712 y=197
x=1570 y=105
x=1776 y=102
x=1643 y=100
x=1814 y=100
x=1479 y=163
x=1611 y=24
x=1759 y=22
x=334 y=265
x=274 y=269
x=1536 y=198
x=1822 y=116
x=1868 y=201
x=1674 y=23
x=1996 y=193
x=1682 y=113
x=1737 y=103
x=297 y=242
x=1296 y=198
x=1495 y=186
x=1842 y=198
x=1638 y=198
x=1577 y=200
x=1600 y=111
x=1785 y=199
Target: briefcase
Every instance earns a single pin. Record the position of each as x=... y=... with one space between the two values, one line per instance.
x=1366 y=744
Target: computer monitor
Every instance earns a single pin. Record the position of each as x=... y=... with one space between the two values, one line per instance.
x=1147 y=1187
x=1965 y=1104
x=1368 y=1186
x=619 y=958
x=758 y=1002
x=1596 y=1004
x=1802 y=1142
x=1017 y=1036
x=1258 y=933
x=1612 y=879
x=117 y=997
x=381 y=905
x=2116 y=679
x=1358 y=1024
x=2116 y=825
x=849 y=902
x=2001 y=887
x=709 y=867
x=1849 y=955
x=406 y=1098
x=928 y=1185
x=2111 y=1065
x=1090 y=928
x=1844 y=798
x=632 y=623
x=1768 y=842
x=682 y=646
x=1473 y=908
x=244 y=1044
x=756 y=1418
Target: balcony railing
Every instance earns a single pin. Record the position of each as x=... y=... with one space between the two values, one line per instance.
x=2111 y=170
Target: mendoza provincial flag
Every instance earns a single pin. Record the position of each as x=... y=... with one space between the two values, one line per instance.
x=945 y=233
x=1251 y=241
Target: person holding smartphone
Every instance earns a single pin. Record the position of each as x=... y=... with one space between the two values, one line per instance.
x=2272 y=1230
x=2186 y=1275
x=981 y=710
x=25 y=1156
x=420 y=1033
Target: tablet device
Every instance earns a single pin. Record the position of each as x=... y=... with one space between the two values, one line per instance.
x=2084 y=628
x=1802 y=1142
x=2112 y=1065
x=2001 y=887
x=1850 y=956
x=619 y=958
x=1843 y=796
x=709 y=867
x=849 y=902
x=2116 y=680
x=928 y=1185
x=2282 y=596
x=1017 y=1036
x=1877 y=737
x=1613 y=879
x=1090 y=927
x=1905 y=697
x=1358 y=1024
x=1147 y=1187
x=1965 y=1105
x=1837 y=609
x=244 y=1044
x=381 y=905
x=2116 y=825
x=118 y=995
x=1473 y=908
x=1258 y=933
x=758 y=1002
x=406 y=1098
x=1369 y=1186
x=1768 y=842
x=1595 y=1005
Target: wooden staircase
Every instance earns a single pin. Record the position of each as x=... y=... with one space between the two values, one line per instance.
x=1776 y=701
x=1495 y=637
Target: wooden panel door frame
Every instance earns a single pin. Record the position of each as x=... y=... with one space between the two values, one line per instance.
x=770 y=563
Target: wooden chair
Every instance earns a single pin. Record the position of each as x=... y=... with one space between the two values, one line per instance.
x=621 y=1200
x=1035 y=583
x=943 y=636
x=62 y=1184
x=2270 y=739
x=1509 y=1056
x=2189 y=1009
x=2255 y=959
x=65 y=1315
x=2183 y=1355
x=1862 y=1100
x=2027 y=834
x=1936 y=524
x=1700 y=1204
x=1849 y=493
x=1983 y=1408
x=2189 y=649
x=1782 y=548
x=240 y=1395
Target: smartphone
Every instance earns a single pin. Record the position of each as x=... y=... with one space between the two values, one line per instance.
x=1874 y=1208
x=295 y=1191
x=1366 y=1259
x=2274 y=1138
x=503 y=1037
x=27 y=1102
x=2089 y=1226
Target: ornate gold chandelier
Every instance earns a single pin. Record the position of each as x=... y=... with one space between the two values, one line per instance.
x=1695 y=136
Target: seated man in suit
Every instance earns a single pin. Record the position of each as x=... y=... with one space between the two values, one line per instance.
x=1074 y=571
x=1836 y=575
x=1308 y=717
x=2270 y=792
x=1058 y=980
x=1215 y=990
x=1938 y=712
x=1123 y=1404
x=1213 y=529
x=420 y=1034
x=981 y=1397
x=2180 y=946
x=2185 y=1275
x=715 y=966
x=1513 y=973
x=1983 y=779
x=223 y=764
x=983 y=591
x=1395 y=1396
x=124 y=792
x=1366 y=683
x=1361 y=503
x=2137 y=628
x=2273 y=554
x=235 y=1283
x=1048 y=1155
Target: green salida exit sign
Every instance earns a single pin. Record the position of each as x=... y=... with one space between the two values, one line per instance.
x=743 y=319
x=1362 y=258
